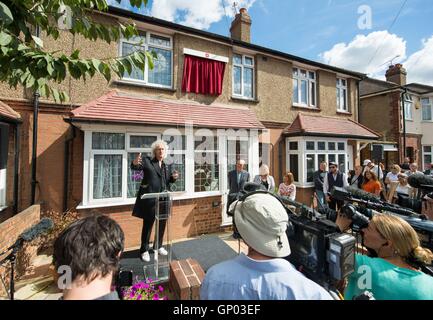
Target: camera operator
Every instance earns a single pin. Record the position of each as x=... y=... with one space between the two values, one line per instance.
x=395 y=273
x=262 y=274
x=91 y=248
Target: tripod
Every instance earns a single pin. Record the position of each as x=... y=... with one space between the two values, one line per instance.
x=12 y=257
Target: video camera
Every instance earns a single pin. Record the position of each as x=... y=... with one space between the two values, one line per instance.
x=319 y=249
x=424 y=184
x=361 y=211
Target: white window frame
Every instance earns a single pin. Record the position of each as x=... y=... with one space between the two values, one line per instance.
x=342 y=88
x=408 y=107
x=310 y=83
x=302 y=155
x=243 y=66
x=146 y=46
x=429 y=105
x=426 y=153
x=88 y=164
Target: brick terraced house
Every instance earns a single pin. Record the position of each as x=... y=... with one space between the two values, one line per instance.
x=245 y=101
x=402 y=114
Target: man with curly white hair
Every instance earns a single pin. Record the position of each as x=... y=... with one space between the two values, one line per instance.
x=157 y=177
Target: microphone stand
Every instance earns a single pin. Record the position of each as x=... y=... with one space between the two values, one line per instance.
x=12 y=257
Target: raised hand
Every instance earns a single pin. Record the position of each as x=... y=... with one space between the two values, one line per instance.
x=138 y=160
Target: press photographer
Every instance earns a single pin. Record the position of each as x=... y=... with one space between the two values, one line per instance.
x=396 y=271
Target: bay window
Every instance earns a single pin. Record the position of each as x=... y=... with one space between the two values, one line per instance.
x=162 y=47
x=243 y=76
x=305 y=155
x=202 y=158
x=304 y=87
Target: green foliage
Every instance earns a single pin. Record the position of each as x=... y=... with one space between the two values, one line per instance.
x=24 y=61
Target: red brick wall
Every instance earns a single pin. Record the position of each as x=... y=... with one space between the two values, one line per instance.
x=9 y=232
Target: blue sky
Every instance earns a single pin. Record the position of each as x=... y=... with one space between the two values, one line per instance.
x=324 y=30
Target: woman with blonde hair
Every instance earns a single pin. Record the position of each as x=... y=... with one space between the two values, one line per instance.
x=265 y=179
x=395 y=273
x=287 y=188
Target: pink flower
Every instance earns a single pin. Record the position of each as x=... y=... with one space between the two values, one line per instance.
x=160 y=288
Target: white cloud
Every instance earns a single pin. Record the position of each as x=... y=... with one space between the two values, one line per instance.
x=419 y=65
x=367 y=54
x=196 y=13
x=383 y=46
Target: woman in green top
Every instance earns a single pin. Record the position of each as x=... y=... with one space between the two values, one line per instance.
x=395 y=274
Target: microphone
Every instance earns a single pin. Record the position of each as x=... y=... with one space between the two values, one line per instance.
x=35 y=231
x=420 y=181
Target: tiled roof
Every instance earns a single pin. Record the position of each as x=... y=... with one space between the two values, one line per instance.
x=309 y=125
x=124 y=108
x=8 y=112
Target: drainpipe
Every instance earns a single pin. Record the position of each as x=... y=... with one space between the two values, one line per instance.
x=66 y=170
x=404 y=121
x=35 y=138
x=16 y=166
x=34 y=144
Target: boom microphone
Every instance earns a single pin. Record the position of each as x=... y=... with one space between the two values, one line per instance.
x=420 y=181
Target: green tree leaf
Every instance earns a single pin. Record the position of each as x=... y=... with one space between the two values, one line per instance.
x=5 y=14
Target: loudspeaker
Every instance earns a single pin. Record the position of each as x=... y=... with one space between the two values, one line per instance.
x=377 y=153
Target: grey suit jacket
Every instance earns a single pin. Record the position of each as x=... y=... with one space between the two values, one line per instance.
x=271 y=182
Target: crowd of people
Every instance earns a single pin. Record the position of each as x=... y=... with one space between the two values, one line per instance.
x=92 y=246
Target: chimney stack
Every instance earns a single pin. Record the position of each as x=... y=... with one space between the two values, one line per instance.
x=397 y=74
x=241 y=26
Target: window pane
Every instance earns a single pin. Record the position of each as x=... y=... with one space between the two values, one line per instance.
x=426 y=112
x=295 y=71
x=206 y=171
x=249 y=61
x=342 y=163
x=427 y=161
x=311 y=167
x=321 y=145
x=108 y=141
x=294 y=166
x=177 y=162
x=205 y=143
x=159 y=40
x=248 y=82
x=236 y=150
x=427 y=148
x=293 y=145
x=343 y=103
x=341 y=146
x=408 y=110
x=303 y=73
x=175 y=142
x=331 y=158
x=136 y=73
x=141 y=142
x=134 y=177
x=343 y=82
x=304 y=91
x=338 y=98
x=311 y=75
x=140 y=39
x=107 y=176
x=312 y=93
x=331 y=145
x=161 y=72
x=310 y=145
x=237 y=80
x=237 y=59
x=295 y=91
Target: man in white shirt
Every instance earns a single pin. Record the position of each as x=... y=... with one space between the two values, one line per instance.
x=369 y=165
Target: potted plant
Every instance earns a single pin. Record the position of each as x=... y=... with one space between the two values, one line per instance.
x=144 y=290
